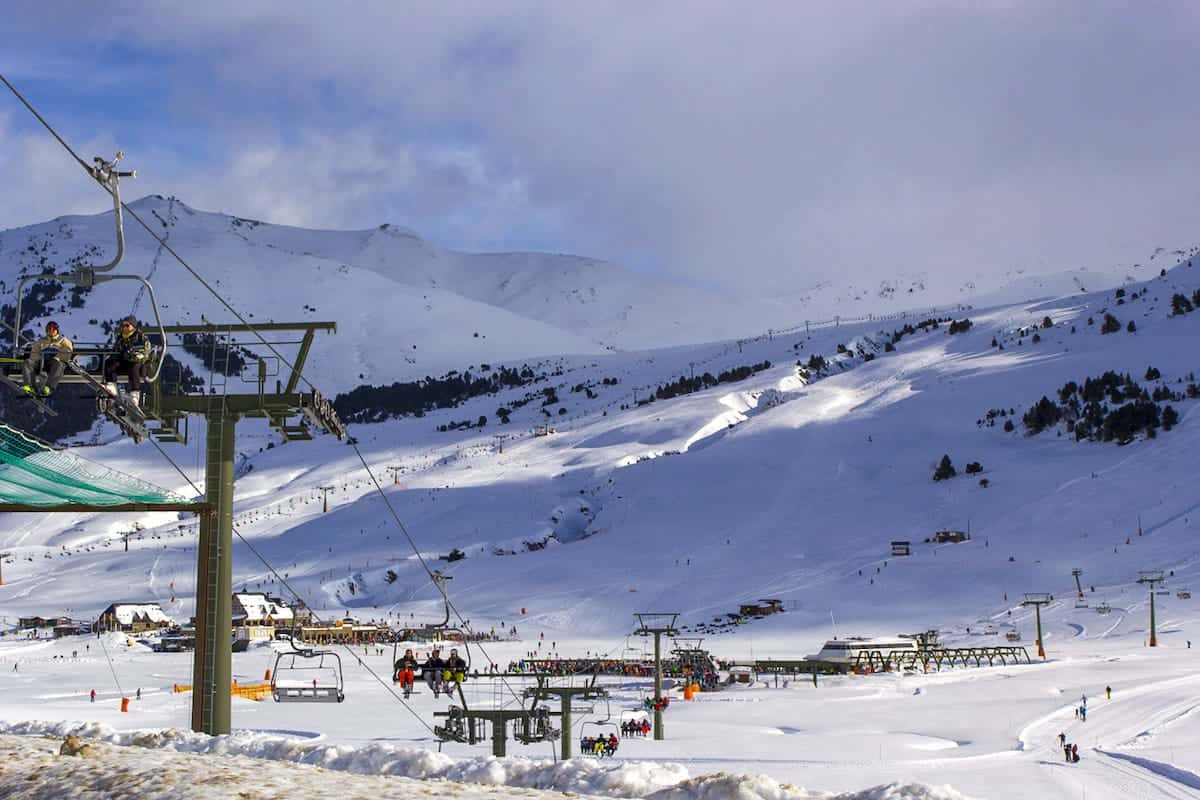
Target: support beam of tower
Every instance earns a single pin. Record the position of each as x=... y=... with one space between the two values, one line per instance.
x=565 y=694
x=1151 y=578
x=1037 y=600
x=212 y=665
x=656 y=624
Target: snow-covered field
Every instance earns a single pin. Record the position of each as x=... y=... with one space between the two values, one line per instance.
x=778 y=485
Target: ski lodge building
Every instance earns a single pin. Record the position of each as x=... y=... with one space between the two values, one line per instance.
x=133 y=618
x=256 y=616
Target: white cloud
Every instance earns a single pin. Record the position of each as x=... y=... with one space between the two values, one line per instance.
x=777 y=139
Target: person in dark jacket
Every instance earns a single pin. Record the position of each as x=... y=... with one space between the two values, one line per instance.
x=432 y=669
x=405 y=671
x=456 y=668
x=131 y=350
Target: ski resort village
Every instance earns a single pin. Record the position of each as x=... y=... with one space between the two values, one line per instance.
x=857 y=462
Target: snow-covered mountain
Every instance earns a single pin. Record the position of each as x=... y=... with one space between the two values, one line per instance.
x=407 y=308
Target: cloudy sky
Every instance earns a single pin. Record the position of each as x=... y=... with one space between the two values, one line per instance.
x=724 y=142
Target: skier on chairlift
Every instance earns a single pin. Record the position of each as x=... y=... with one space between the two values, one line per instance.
x=48 y=356
x=432 y=669
x=131 y=350
x=456 y=667
x=405 y=671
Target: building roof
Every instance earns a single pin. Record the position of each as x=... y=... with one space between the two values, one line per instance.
x=125 y=612
x=258 y=606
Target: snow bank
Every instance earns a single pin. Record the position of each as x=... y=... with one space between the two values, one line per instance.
x=580 y=775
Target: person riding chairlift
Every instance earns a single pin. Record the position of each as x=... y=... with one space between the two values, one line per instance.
x=131 y=350
x=48 y=356
x=456 y=668
x=405 y=671
x=432 y=669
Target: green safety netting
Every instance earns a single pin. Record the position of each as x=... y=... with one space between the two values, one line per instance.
x=33 y=473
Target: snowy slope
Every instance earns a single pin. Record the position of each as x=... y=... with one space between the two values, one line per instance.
x=774 y=486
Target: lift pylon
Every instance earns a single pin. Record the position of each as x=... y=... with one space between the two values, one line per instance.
x=1037 y=600
x=656 y=624
x=1151 y=578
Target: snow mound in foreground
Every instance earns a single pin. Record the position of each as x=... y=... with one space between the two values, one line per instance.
x=627 y=779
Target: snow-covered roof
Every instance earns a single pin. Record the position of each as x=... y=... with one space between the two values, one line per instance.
x=125 y=612
x=256 y=606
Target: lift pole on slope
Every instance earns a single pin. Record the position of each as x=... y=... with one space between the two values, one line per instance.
x=1037 y=600
x=395 y=470
x=212 y=661
x=656 y=624
x=325 y=490
x=1075 y=573
x=565 y=694
x=2 y=557
x=1150 y=578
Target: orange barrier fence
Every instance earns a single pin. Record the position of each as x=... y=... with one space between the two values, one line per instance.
x=250 y=691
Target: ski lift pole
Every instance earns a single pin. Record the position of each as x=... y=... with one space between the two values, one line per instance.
x=656 y=624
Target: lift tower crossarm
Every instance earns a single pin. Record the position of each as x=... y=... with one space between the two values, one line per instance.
x=307 y=328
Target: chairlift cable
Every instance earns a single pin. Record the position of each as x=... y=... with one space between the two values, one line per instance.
x=250 y=327
x=111 y=668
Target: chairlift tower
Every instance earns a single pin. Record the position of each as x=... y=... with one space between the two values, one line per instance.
x=324 y=490
x=395 y=469
x=2 y=557
x=543 y=691
x=1075 y=573
x=222 y=410
x=656 y=624
x=164 y=415
x=1037 y=600
x=1150 y=578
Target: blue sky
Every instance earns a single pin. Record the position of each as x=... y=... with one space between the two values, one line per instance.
x=772 y=143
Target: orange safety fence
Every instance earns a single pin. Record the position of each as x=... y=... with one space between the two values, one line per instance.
x=250 y=691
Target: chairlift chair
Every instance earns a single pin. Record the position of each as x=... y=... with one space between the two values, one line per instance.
x=120 y=409
x=459 y=727
x=307 y=676
x=1103 y=608
x=535 y=727
x=1184 y=594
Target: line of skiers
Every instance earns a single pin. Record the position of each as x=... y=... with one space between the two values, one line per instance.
x=1071 y=751
x=440 y=675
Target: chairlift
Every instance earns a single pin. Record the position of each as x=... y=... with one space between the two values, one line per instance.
x=1103 y=608
x=1012 y=636
x=600 y=724
x=124 y=412
x=459 y=727
x=307 y=676
x=535 y=726
x=1184 y=594
x=1081 y=603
